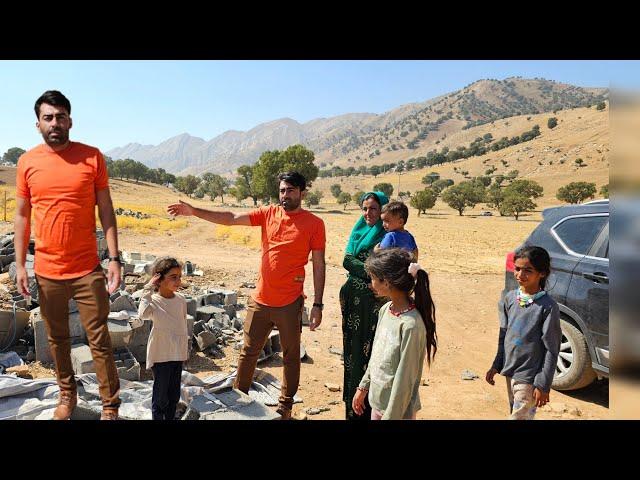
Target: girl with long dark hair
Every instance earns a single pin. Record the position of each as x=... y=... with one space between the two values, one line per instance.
x=406 y=333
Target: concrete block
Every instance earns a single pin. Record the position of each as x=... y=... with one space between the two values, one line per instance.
x=205 y=339
x=115 y=295
x=139 y=338
x=206 y=312
x=81 y=359
x=190 y=322
x=201 y=300
x=123 y=302
x=43 y=352
x=238 y=323
x=188 y=268
x=230 y=310
x=276 y=346
x=73 y=306
x=129 y=368
x=198 y=327
x=7 y=259
x=120 y=332
x=216 y=323
x=230 y=297
x=218 y=296
x=226 y=297
x=192 y=306
x=12 y=328
x=139 y=352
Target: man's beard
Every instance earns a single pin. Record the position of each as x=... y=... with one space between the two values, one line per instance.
x=290 y=204
x=61 y=139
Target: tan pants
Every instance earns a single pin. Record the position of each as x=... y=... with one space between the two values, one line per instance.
x=521 y=400
x=258 y=324
x=91 y=296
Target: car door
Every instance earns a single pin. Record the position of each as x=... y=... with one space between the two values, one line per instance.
x=579 y=236
x=589 y=292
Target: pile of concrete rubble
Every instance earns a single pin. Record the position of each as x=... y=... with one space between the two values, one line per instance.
x=213 y=321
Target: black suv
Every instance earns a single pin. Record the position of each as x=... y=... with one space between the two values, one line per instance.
x=577 y=239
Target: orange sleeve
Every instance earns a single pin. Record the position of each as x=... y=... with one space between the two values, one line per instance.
x=22 y=189
x=257 y=216
x=319 y=238
x=102 y=176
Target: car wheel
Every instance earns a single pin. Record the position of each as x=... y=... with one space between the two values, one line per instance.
x=573 y=369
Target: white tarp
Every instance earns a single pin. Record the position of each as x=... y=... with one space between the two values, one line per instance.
x=24 y=399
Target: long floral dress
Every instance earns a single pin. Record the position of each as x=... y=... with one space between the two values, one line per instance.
x=360 y=309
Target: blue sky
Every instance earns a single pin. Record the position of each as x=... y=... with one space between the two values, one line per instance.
x=118 y=102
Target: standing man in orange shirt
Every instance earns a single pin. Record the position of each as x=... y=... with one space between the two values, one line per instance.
x=289 y=233
x=62 y=182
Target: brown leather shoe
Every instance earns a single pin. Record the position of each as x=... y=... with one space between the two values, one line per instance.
x=109 y=414
x=284 y=412
x=66 y=403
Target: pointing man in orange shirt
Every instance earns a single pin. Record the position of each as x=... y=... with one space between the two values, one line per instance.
x=289 y=233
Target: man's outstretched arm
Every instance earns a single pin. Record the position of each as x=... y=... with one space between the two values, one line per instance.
x=222 y=218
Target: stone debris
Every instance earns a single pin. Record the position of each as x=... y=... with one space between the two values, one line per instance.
x=212 y=309
x=131 y=213
x=469 y=375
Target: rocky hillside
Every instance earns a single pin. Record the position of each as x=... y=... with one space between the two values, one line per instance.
x=365 y=137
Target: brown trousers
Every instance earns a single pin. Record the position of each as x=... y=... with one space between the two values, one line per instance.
x=92 y=298
x=258 y=324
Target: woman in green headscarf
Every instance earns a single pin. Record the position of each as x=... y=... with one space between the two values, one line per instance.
x=358 y=303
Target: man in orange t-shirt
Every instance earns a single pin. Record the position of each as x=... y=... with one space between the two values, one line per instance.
x=289 y=233
x=62 y=182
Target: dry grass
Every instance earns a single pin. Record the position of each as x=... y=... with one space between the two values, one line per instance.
x=244 y=236
x=150 y=225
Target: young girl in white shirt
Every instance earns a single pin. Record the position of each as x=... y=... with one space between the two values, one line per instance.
x=168 y=344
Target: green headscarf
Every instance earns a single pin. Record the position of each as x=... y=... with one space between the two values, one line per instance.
x=364 y=237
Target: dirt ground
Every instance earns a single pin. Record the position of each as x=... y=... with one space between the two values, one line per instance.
x=467 y=334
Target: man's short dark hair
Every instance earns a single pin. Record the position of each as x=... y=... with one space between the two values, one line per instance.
x=55 y=98
x=397 y=209
x=293 y=178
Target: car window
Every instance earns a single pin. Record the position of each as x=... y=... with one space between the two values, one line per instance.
x=579 y=233
x=600 y=248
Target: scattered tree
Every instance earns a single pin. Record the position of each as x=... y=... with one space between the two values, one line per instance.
x=604 y=191
x=312 y=198
x=356 y=196
x=463 y=195
x=423 y=200
x=439 y=185
x=343 y=199
x=430 y=178
x=552 y=122
x=494 y=196
x=576 y=192
x=386 y=188
x=12 y=155
x=272 y=163
x=336 y=190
